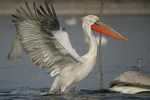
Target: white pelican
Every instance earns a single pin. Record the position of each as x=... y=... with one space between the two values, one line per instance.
x=104 y=41
x=15 y=51
x=130 y=83
x=50 y=47
x=72 y=21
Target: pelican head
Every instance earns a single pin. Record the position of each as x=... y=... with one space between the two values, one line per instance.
x=101 y=27
x=90 y=19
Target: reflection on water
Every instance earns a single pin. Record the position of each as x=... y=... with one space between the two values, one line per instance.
x=117 y=57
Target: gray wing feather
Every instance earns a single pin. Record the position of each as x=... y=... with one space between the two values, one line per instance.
x=41 y=45
x=49 y=20
x=131 y=78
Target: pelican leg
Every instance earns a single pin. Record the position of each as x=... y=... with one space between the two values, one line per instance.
x=55 y=86
x=66 y=82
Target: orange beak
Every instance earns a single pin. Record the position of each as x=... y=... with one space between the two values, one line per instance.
x=100 y=27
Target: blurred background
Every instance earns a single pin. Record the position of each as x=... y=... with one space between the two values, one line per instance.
x=131 y=18
x=83 y=7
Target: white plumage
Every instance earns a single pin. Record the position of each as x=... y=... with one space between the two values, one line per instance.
x=104 y=41
x=49 y=47
x=131 y=82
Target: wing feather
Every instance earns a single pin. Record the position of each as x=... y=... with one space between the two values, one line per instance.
x=38 y=41
x=53 y=11
x=49 y=19
x=49 y=11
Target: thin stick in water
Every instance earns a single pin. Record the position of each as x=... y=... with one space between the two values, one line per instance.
x=100 y=54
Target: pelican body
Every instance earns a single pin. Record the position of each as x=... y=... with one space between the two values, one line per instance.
x=131 y=82
x=49 y=46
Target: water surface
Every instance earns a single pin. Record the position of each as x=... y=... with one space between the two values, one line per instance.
x=23 y=80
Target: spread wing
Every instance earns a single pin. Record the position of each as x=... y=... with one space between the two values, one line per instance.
x=51 y=24
x=39 y=42
x=131 y=78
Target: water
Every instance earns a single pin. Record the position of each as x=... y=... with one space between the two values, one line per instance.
x=22 y=80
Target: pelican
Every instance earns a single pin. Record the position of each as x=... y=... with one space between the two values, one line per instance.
x=15 y=51
x=131 y=82
x=49 y=47
x=72 y=21
x=138 y=63
x=103 y=42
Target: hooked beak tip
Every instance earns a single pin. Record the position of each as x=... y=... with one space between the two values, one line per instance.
x=127 y=40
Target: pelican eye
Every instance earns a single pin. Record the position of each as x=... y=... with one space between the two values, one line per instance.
x=97 y=19
x=98 y=22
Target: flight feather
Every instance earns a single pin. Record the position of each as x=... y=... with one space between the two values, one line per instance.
x=35 y=33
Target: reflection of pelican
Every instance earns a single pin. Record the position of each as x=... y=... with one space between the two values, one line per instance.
x=50 y=47
x=131 y=82
x=72 y=21
x=104 y=41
